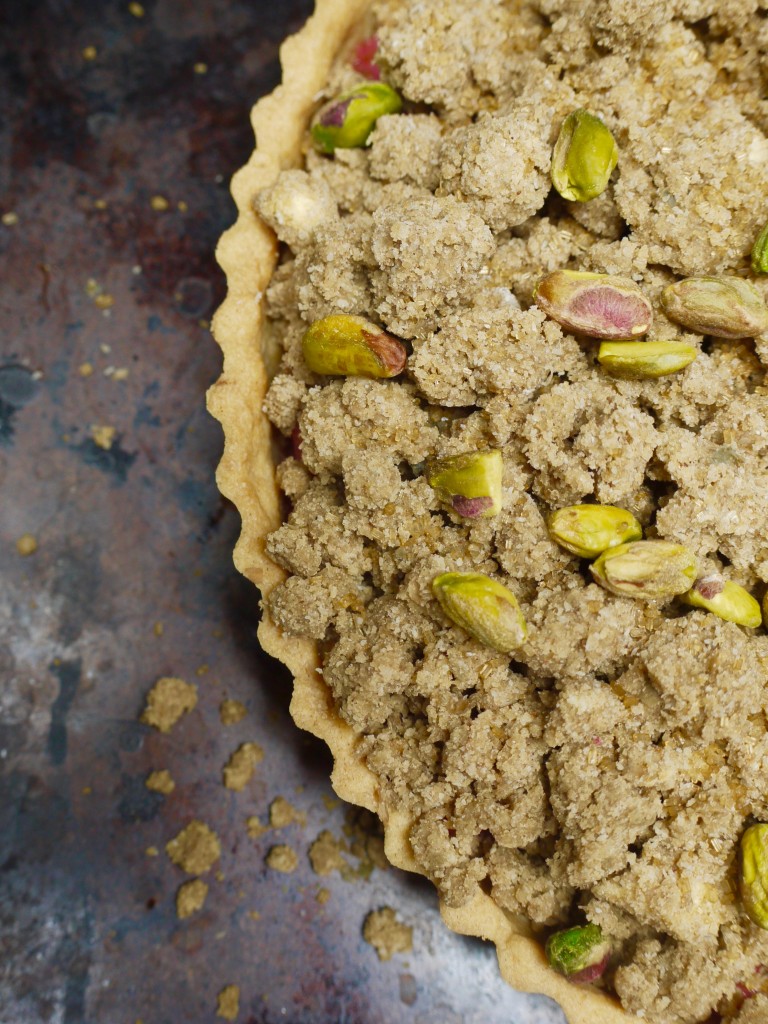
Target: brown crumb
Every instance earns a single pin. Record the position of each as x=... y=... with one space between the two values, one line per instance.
x=160 y=782
x=85 y=369
x=158 y=629
x=195 y=849
x=386 y=934
x=200 y=68
x=322 y=895
x=239 y=769
x=191 y=897
x=228 y=1002
x=254 y=827
x=282 y=813
x=152 y=851
x=26 y=544
x=159 y=203
x=10 y=219
x=282 y=858
x=325 y=854
x=254 y=915
x=103 y=435
x=136 y=9
x=167 y=701
x=89 y=53
x=231 y=712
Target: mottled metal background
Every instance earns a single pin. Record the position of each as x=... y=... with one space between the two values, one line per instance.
x=119 y=134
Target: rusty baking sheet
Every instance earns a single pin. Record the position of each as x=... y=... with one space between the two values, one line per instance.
x=123 y=124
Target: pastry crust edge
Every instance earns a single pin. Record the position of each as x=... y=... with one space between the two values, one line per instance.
x=247 y=253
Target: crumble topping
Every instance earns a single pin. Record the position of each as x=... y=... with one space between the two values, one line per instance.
x=605 y=771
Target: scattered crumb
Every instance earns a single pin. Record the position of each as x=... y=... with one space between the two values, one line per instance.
x=219 y=876
x=86 y=790
x=386 y=934
x=240 y=767
x=160 y=782
x=325 y=854
x=152 y=851
x=231 y=712
x=158 y=629
x=159 y=203
x=136 y=9
x=103 y=435
x=10 y=218
x=104 y=301
x=120 y=373
x=181 y=206
x=282 y=858
x=323 y=895
x=283 y=813
x=191 y=897
x=85 y=369
x=167 y=701
x=330 y=801
x=202 y=670
x=26 y=544
x=89 y=53
x=228 y=1004
x=254 y=915
x=195 y=849
x=103 y=347
x=100 y=204
x=200 y=68
x=254 y=827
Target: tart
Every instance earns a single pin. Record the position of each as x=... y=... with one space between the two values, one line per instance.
x=496 y=422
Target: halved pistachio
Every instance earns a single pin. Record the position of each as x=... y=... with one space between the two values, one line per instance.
x=647 y=569
x=342 y=345
x=482 y=606
x=347 y=121
x=584 y=157
x=753 y=876
x=598 y=305
x=641 y=360
x=581 y=954
x=760 y=252
x=588 y=530
x=470 y=483
x=725 y=599
x=724 y=307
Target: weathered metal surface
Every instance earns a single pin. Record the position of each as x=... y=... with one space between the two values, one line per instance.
x=106 y=110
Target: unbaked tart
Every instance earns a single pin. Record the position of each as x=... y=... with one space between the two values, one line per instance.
x=496 y=417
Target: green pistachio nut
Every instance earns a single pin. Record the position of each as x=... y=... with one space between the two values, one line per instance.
x=588 y=530
x=598 y=305
x=765 y=610
x=584 y=157
x=482 y=606
x=760 y=252
x=469 y=483
x=726 y=599
x=347 y=121
x=724 y=307
x=342 y=345
x=647 y=569
x=753 y=877
x=581 y=954
x=643 y=360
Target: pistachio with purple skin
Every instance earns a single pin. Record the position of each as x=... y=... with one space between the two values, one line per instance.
x=597 y=305
x=723 y=307
x=581 y=954
x=343 y=345
x=725 y=599
x=470 y=483
x=348 y=120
